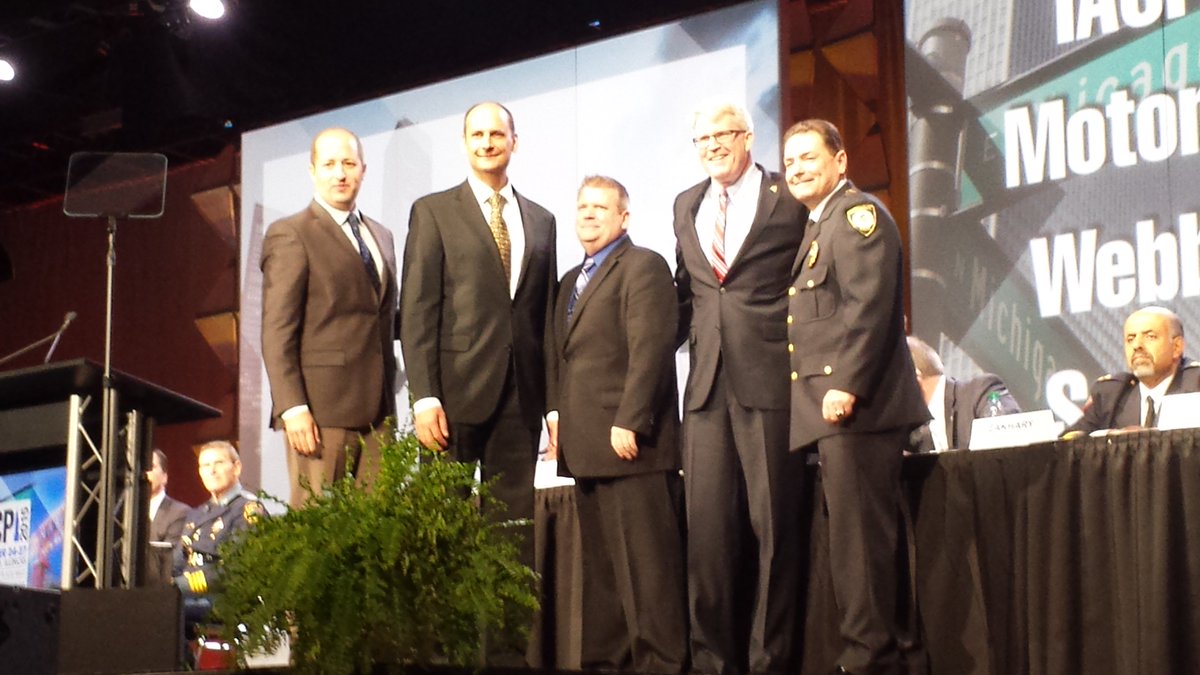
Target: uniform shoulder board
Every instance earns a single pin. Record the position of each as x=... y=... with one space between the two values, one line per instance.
x=862 y=218
x=1192 y=364
x=1127 y=378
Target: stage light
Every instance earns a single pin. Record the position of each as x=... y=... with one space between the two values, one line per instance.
x=208 y=9
x=7 y=71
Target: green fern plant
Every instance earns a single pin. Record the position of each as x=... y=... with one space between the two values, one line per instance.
x=415 y=570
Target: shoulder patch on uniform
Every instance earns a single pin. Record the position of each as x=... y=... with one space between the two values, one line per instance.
x=862 y=218
x=252 y=511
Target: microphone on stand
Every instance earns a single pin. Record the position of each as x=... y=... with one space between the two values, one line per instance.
x=58 y=336
x=53 y=336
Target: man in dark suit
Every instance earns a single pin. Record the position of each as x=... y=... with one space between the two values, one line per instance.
x=1154 y=345
x=479 y=272
x=166 y=521
x=954 y=404
x=166 y=514
x=613 y=385
x=328 y=323
x=853 y=392
x=737 y=233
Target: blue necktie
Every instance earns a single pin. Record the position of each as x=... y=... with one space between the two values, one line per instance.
x=363 y=251
x=581 y=282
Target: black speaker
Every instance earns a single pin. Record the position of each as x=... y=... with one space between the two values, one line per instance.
x=120 y=631
x=28 y=631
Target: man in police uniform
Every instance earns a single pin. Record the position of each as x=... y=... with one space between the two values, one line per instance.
x=853 y=393
x=1154 y=351
x=231 y=510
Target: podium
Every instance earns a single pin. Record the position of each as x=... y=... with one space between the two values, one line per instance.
x=47 y=408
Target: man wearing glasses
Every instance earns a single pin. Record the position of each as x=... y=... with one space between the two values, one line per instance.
x=737 y=233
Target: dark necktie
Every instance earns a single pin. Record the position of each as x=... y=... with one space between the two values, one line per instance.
x=581 y=282
x=363 y=251
x=1151 y=414
x=500 y=233
x=720 y=266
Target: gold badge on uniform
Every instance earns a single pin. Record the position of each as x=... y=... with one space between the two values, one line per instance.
x=813 y=252
x=774 y=188
x=217 y=526
x=862 y=218
x=251 y=511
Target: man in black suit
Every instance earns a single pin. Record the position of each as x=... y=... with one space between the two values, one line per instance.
x=479 y=272
x=166 y=521
x=853 y=392
x=1154 y=347
x=954 y=404
x=328 y=323
x=618 y=433
x=737 y=233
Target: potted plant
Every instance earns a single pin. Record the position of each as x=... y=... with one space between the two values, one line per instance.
x=414 y=570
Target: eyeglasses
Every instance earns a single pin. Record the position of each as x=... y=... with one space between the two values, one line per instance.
x=721 y=137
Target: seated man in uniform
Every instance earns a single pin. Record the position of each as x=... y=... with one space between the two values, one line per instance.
x=230 y=510
x=1132 y=400
x=954 y=404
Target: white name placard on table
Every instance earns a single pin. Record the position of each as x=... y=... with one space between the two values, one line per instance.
x=1007 y=431
x=1179 y=411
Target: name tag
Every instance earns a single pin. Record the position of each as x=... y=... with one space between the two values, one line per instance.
x=1008 y=431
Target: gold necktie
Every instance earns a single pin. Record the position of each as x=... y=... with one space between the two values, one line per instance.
x=500 y=233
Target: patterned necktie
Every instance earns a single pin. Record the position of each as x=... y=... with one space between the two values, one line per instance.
x=363 y=251
x=581 y=282
x=1151 y=414
x=720 y=267
x=500 y=233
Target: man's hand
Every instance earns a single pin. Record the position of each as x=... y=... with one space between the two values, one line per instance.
x=624 y=443
x=302 y=433
x=432 y=429
x=552 y=444
x=838 y=406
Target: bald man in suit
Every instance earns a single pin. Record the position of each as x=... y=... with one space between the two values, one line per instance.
x=479 y=273
x=329 y=322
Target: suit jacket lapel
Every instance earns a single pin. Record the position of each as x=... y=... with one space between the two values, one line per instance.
x=768 y=196
x=609 y=264
x=688 y=239
x=530 y=228
x=477 y=227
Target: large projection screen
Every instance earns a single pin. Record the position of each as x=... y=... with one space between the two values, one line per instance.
x=1054 y=163
x=619 y=107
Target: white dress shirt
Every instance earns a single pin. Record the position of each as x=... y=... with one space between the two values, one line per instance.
x=739 y=214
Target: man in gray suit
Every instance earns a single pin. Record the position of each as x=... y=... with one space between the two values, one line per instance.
x=479 y=273
x=166 y=522
x=328 y=323
x=737 y=233
x=954 y=404
x=613 y=384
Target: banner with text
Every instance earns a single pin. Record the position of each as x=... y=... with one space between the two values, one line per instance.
x=1054 y=156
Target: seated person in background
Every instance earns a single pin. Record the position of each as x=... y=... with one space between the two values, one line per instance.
x=953 y=403
x=230 y=510
x=166 y=522
x=1132 y=400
